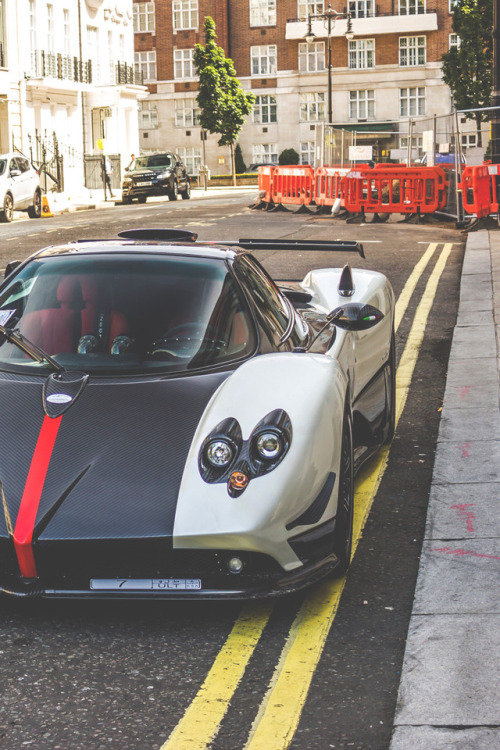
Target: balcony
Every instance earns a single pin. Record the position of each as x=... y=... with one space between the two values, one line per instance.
x=44 y=64
x=126 y=74
x=378 y=23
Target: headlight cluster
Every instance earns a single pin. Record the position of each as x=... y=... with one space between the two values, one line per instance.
x=226 y=457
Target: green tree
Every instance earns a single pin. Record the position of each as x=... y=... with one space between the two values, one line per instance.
x=288 y=156
x=223 y=104
x=468 y=68
x=238 y=160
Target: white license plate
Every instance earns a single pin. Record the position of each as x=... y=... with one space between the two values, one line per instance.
x=143 y=184
x=145 y=584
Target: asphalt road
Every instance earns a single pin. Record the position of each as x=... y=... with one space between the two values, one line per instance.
x=315 y=671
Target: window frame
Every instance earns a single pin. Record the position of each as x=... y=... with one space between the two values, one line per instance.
x=267 y=63
x=407 y=99
x=263 y=13
x=185 y=15
x=359 y=99
x=361 y=52
x=265 y=109
x=186 y=54
x=310 y=100
x=411 y=49
x=315 y=51
x=144 y=11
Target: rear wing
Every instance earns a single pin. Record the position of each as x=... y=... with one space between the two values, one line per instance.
x=183 y=235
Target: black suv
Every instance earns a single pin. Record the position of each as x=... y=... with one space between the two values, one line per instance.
x=156 y=174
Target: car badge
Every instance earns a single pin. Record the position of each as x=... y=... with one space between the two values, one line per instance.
x=59 y=398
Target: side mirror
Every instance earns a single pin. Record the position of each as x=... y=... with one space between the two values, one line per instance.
x=11 y=266
x=354 y=316
x=15 y=172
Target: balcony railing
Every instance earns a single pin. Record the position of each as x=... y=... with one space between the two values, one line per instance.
x=374 y=13
x=44 y=64
x=364 y=24
x=125 y=73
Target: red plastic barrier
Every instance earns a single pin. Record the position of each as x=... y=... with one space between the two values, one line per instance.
x=328 y=184
x=476 y=191
x=407 y=190
x=293 y=185
x=266 y=182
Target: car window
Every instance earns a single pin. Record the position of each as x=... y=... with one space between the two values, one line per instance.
x=160 y=160
x=23 y=164
x=3 y=164
x=125 y=313
x=270 y=306
x=13 y=165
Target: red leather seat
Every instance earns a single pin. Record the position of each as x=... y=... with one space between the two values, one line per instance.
x=56 y=329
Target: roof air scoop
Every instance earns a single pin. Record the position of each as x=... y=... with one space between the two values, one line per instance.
x=346 y=284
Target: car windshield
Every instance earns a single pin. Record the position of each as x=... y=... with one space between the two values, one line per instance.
x=126 y=314
x=3 y=164
x=157 y=161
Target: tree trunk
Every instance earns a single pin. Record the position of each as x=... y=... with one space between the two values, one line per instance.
x=233 y=165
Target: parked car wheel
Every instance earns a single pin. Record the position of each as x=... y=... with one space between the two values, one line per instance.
x=342 y=535
x=174 y=193
x=8 y=209
x=186 y=195
x=35 y=211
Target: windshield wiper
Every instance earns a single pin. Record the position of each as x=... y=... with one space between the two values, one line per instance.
x=15 y=336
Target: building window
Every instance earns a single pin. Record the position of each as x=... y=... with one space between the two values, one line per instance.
x=312 y=107
x=361 y=54
x=361 y=8
x=183 y=63
x=185 y=13
x=411 y=101
x=145 y=65
x=469 y=140
x=265 y=153
x=264 y=109
x=310 y=7
x=148 y=115
x=32 y=25
x=411 y=7
x=262 y=12
x=144 y=16
x=307 y=150
x=263 y=60
x=191 y=157
x=411 y=51
x=417 y=142
x=454 y=41
x=66 y=32
x=50 y=28
x=311 y=57
x=186 y=113
x=362 y=104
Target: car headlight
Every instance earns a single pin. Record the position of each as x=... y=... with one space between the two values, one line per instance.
x=225 y=457
x=219 y=453
x=269 y=445
x=163 y=175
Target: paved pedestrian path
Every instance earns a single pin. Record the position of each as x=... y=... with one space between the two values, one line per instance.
x=449 y=696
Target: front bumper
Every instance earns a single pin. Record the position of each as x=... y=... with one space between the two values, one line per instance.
x=67 y=568
x=158 y=187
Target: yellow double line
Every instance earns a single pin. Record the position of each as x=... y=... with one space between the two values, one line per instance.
x=279 y=712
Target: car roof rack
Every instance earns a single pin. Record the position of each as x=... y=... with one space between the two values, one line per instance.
x=184 y=235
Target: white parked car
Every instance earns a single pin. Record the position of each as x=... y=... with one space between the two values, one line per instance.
x=19 y=187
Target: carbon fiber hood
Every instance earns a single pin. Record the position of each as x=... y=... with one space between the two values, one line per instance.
x=117 y=461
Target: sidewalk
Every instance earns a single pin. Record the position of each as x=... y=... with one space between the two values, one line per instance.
x=449 y=696
x=87 y=199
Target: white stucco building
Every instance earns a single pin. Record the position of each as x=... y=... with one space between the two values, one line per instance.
x=67 y=81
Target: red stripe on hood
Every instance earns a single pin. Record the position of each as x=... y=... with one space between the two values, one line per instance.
x=25 y=523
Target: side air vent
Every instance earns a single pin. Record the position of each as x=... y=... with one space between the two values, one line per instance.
x=346 y=285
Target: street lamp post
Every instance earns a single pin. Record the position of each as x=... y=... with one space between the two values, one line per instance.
x=330 y=16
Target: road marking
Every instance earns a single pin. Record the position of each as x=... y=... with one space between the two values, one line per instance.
x=411 y=283
x=279 y=713
x=200 y=723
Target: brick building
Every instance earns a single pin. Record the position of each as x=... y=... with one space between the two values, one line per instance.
x=388 y=72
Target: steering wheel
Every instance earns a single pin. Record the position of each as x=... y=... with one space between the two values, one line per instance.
x=179 y=342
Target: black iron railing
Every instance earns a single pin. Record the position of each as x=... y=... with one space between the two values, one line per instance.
x=375 y=13
x=125 y=73
x=47 y=64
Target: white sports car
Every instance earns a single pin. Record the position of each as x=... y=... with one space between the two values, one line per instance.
x=190 y=429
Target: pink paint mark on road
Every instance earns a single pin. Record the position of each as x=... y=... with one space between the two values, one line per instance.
x=462 y=552
x=465 y=390
x=465 y=450
x=467 y=515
